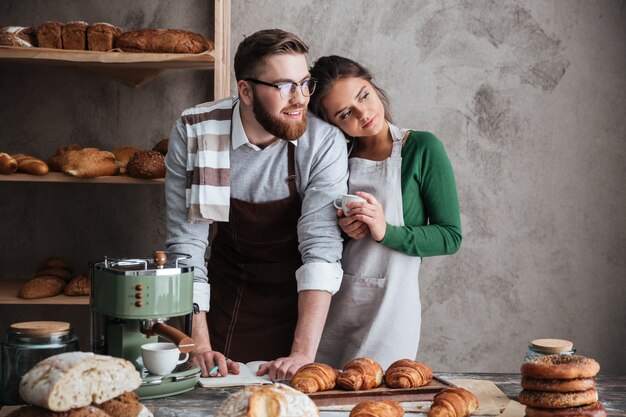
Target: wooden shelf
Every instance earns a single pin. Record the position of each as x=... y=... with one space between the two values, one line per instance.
x=10 y=287
x=136 y=69
x=60 y=177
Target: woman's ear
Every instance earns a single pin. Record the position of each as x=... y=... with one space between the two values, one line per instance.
x=246 y=94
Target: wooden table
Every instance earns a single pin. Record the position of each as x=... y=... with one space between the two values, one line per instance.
x=202 y=402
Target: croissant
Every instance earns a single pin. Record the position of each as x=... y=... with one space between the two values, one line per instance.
x=314 y=377
x=453 y=402
x=385 y=408
x=407 y=373
x=360 y=374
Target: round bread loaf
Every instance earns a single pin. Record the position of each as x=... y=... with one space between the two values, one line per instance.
x=558 y=399
x=276 y=400
x=560 y=367
x=125 y=405
x=90 y=163
x=79 y=285
x=146 y=165
x=123 y=155
x=162 y=146
x=558 y=385
x=42 y=287
x=592 y=410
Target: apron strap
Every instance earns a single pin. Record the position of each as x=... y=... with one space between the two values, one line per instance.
x=291 y=169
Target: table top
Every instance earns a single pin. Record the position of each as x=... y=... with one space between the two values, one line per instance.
x=204 y=402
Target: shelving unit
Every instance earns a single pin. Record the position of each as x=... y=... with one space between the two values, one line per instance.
x=60 y=177
x=10 y=287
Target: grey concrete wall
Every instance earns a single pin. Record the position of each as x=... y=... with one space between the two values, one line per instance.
x=527 y=96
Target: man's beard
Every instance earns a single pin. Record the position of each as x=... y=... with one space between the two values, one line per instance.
x=289 y=130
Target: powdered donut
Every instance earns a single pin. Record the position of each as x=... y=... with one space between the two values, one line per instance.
x=560 y=367
x=558 y=399
x=558 y=385
x=592 y=410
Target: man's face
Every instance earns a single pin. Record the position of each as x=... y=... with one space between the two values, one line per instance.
x=284 y=118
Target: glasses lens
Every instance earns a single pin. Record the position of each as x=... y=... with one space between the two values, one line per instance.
x=287 y=90
x=308 y=87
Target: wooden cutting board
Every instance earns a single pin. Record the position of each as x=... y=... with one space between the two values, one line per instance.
x=341 y=397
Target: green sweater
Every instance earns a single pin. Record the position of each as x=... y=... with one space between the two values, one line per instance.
x=429 y=200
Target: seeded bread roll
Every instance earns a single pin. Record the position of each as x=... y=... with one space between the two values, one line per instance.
x=79 y=285
x=77 y=379
x=42 y=287
x=8 y=164
x=90 y=163
x=49 y=35
x=172 y=41
x=123 y=155
x=102 y=36
x=74 y=35
x=11 y=39
x=146 y=165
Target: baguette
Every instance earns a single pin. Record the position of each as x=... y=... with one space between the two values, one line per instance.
x=30 y=165
x=8 y=164
x=163 y=41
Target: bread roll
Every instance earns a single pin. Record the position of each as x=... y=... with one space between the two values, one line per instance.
x=62 y=273
x=74 y=35
x=123 y=155
x=42 y=287
x=384 y=408
x=146 y=165
x=275 y=400
x=89 y=163
x=49 y=35
x=314 y=377
x=163 y=41
x=77 y=379
x=360 y=374
x=8 y=164
x=79 y=285
x=30 y=165
x=162 y=146
x=11 y=39
x=102 y=36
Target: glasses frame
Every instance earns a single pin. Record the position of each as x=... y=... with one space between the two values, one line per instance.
x=293 y=88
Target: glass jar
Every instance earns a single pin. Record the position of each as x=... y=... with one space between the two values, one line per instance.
x=543 y=347
x=27 y=344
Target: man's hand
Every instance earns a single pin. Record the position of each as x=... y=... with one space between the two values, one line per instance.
x=284 y=368
x=354 y=228
x=207 y=359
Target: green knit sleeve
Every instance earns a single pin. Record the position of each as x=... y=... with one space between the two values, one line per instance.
x=430 y=203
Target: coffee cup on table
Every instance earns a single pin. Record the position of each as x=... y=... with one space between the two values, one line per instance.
x=162 y=357
x=341 y=203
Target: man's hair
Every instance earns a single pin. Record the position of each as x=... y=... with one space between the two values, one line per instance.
x=254 y=50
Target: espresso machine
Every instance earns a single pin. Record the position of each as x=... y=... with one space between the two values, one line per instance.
x=136 y=301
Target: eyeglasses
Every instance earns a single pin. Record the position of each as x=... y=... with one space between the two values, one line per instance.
x=288 y=89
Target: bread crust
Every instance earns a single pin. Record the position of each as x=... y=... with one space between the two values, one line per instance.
x=560 y=367
x=541 y=399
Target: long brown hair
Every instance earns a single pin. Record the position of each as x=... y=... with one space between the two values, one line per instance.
x=254 y=50
x=328 y=69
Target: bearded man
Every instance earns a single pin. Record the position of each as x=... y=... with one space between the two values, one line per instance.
x=266 y=173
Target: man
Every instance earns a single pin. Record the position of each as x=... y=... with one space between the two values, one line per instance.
x=274 y=261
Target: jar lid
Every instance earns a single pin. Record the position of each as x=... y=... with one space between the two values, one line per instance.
x=40 y=327
x=552 y=345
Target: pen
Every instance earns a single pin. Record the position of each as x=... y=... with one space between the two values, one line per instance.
x=216 y=367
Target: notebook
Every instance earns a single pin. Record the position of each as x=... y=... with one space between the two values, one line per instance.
x=247 y=376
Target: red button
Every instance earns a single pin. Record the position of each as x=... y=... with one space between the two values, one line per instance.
x=138 y=303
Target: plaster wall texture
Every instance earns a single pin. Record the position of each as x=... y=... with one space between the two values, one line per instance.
x=527 y=96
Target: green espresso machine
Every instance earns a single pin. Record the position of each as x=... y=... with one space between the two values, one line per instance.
x=136 y=301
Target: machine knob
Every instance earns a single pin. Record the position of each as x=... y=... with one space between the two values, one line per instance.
x=139 y=295
x=160 y=258
x=139 y=287
x=138 y=303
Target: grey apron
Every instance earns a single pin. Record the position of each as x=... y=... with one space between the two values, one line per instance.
x=377 y=311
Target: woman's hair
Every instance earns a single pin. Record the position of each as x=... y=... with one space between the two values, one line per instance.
x=328 y=69
x=254 y=50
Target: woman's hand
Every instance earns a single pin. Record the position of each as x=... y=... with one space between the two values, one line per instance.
x=354 y=228
x=370 y=213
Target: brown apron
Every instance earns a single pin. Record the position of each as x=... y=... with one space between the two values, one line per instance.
x=252 y=270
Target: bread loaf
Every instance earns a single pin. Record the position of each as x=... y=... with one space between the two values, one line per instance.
x=55 y=162
x=30 y=165
x=8 y=164
x=89 y=163
x=146 y=165
x=49 y=35
x=42 y=287
x=161 y=146
x=11 y=39
x=77 y=379
x=64 y=274
x=275 y=400
x=163 y=41
x=102 y=36
x=33 y=411
x=79 y=285
x=27 y=34
x=384 y=408
x=123 y=155
x=54 y=262
x=74 y=35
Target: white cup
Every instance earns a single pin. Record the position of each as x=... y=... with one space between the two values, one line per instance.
x=161 y=358
x=345 y=199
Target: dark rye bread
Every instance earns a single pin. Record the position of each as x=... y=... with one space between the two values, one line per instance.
x=49 y=35
x=33 y=411
x=74 y=35
x=42 y=287
x=146 y=165
x=163 y=41
x=102 y=36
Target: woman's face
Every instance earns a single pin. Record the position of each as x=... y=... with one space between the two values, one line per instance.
x=353 y=105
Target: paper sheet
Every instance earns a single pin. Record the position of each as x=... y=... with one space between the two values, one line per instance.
x=247 y=376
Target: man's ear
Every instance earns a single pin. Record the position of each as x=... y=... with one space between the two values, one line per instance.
x=246 y=95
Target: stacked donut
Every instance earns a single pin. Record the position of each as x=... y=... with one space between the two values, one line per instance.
x=562 y=386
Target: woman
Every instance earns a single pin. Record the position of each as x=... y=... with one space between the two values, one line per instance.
x=411 y=211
